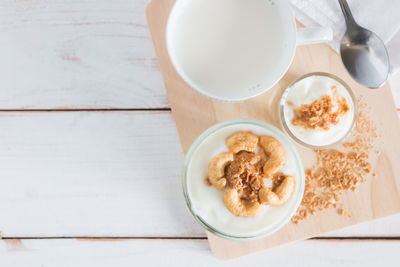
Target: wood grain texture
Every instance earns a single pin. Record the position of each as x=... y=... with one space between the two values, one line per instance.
x=104 y=174
x=77 y=54
x=67 y=54
x=91 y=174
x=71 y=252
x=194 y=113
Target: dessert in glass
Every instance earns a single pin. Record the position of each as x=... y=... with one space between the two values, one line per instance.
x=318 y=110
x=243 y=179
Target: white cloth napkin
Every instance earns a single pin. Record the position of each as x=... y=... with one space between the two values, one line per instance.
x=379 y=16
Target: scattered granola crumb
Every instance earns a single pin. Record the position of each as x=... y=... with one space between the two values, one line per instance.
x=290 y=103
x=338 y=171
x=342 y=212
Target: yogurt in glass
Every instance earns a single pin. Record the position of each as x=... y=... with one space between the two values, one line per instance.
x=206 y=202
x=305 y=91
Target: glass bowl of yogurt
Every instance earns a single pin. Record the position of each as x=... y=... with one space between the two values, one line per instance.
x=318 y=110
x=206 y=203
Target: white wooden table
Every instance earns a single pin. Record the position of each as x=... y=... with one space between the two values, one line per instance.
x=90 y=159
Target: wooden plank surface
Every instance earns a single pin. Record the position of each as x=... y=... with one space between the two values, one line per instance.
x=99 y=253
x=74 y=174
x=194 y=113
x=102 y=174
x=77 y=54
x=91 y=174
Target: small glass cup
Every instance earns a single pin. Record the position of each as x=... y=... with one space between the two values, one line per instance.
x=284 y=123
x=300 y=183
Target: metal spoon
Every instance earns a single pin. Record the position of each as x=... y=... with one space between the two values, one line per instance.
x=363 y=53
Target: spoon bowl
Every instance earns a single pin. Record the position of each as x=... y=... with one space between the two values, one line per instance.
x=363 y=53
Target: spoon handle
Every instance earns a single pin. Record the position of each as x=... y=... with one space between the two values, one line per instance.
x=347 y=13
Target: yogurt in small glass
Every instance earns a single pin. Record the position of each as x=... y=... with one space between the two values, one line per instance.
x=306 y=90
x=206 y=202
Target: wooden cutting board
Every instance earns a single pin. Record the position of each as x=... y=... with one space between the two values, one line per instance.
x=194 y=113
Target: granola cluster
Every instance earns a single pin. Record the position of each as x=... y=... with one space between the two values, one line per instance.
x=245 y=174
x=337 y=171
x=321 y=113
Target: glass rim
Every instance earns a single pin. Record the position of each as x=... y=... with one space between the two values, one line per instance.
x=285 y=124
x=193 y=148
